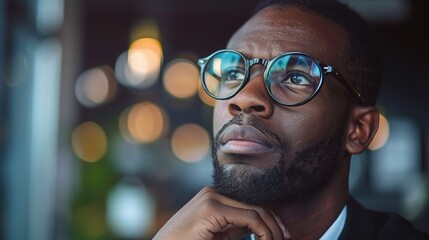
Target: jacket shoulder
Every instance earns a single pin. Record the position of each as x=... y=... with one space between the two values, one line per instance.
x=362 y=223
x=397 y=227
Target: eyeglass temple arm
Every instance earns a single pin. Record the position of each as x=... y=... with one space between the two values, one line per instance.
x=350 y=88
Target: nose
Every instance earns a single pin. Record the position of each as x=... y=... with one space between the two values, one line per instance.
x=253 y=98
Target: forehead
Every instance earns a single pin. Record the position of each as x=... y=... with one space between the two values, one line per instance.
x=275 y=30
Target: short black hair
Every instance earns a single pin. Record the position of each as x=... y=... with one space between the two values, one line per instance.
x=364 y=50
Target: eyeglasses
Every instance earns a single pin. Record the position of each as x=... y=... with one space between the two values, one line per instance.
x=291 y=79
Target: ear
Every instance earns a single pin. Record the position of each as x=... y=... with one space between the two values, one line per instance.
x=363 y=125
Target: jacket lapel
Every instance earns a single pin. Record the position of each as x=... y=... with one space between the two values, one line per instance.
x=360 y=222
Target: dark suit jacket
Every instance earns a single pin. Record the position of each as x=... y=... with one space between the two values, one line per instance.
x=365 y=224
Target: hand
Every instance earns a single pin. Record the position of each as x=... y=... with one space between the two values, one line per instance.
x=209 y=215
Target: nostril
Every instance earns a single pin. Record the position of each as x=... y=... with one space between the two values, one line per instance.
x=235 y=108
x=258 y=108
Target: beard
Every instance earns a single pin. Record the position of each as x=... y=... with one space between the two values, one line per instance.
x=308 y=172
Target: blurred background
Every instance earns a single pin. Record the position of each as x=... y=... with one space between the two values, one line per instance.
x=105 y=132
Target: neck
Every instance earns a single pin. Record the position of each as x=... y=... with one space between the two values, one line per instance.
x=318 y=211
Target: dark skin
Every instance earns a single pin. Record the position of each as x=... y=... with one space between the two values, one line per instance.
x=269 y=33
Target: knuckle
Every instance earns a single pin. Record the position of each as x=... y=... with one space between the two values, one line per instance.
x=207 y=189
x=261 y=210
x=206 y=193
x=209 y=206
x=252 y=214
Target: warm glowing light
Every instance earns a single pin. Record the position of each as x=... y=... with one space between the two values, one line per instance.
x=382 y=135
x=181 y=78
x=145 y=56
x=145 y=122
x=190 y=143
x=89 y=141
x=139 y=67
x=139 y=60
x=205 y=98
x=95 y=86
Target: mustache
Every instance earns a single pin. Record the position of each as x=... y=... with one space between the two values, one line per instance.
x=235 y=120
x=250 y=120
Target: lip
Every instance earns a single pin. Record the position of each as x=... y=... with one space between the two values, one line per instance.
x=245 y=140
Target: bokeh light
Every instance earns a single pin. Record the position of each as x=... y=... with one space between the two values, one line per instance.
x=130 y=210
x=145 y=56
x=180 y=78
x=139 y=67
x=382 y=135
x=204 y=97
x=190 y=143
x=89 y=141
x=144 y=122
x=95 y=86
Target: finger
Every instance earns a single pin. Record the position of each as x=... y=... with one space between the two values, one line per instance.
x=273 y=222
x=235 y=232
x=220 y=217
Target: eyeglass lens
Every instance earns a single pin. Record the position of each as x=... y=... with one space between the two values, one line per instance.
x=290 y=78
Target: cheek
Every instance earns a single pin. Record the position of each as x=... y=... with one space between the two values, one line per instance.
x=308 y=125
x=295 y=129
x=307 y=130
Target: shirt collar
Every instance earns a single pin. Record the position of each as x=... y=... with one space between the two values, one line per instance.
x=336 y=228
x=333 y=231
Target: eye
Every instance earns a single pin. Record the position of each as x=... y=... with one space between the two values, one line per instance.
x=233 y=75
x=298 y=79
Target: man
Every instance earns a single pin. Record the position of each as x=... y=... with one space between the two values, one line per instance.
x=296 y=89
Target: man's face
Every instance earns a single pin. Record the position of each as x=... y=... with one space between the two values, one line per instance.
x=265 y=152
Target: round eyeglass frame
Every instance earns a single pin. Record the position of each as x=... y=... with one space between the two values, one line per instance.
x=325 y=70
